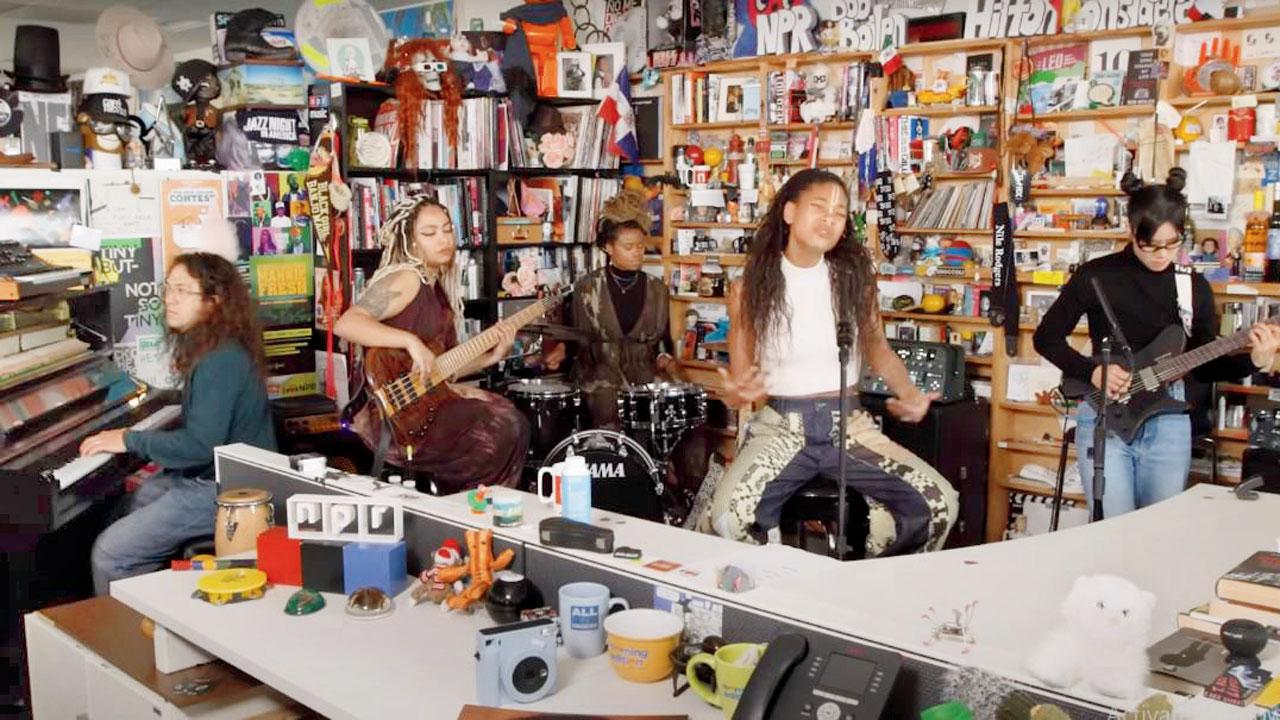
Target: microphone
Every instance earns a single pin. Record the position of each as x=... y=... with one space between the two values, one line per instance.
x=844 y=323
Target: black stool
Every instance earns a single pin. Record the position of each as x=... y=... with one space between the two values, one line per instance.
x=816 y=501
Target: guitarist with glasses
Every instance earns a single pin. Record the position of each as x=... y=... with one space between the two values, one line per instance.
x=1167 y=315
x=414 y=305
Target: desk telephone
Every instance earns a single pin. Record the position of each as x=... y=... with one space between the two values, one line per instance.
x=819 y=679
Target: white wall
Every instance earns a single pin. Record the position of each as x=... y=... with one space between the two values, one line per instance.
x=486 y=10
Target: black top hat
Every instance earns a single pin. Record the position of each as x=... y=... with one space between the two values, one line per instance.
x=37 y=64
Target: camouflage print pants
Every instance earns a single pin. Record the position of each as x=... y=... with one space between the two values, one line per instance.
x=791 y=442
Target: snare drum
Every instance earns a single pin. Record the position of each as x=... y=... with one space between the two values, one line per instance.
x=661 y=413
x=553 y=410
x=624 y=477
x=243 y=514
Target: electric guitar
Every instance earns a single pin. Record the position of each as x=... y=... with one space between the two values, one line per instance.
x=410 y=404
x=1159 y=363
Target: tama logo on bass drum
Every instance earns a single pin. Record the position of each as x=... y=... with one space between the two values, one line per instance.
x=607 y=470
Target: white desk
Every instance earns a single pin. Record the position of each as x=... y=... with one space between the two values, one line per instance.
x=1176 y=549
x=417 y=662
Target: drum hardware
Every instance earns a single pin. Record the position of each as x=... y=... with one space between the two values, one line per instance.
x=553 y=409
x=661 y=413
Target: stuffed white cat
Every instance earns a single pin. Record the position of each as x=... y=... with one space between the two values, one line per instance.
x=1103 y=640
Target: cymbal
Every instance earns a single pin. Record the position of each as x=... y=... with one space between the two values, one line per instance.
x=558 y=332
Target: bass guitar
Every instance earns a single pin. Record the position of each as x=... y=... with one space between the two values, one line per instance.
x=1159 y=363
x=410 y=404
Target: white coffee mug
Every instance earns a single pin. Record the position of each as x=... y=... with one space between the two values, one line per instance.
x=553 y=475
x=583 y=608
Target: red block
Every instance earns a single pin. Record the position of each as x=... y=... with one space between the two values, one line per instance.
x=280 y=557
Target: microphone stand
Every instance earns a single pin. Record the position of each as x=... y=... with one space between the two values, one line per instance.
x=1100 y=435
x=844 y=341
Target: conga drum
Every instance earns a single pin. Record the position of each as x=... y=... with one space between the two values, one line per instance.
x=243 y=514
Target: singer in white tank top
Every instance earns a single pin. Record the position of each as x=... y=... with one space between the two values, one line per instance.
x=783 y=318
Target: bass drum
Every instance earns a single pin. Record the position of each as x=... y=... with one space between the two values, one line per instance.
x=624 y=478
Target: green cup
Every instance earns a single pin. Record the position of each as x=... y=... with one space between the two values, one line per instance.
x=732 y=665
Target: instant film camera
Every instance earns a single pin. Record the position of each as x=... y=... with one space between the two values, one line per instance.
x=517 y=662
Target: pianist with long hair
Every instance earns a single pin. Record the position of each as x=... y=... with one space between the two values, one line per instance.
x=216 y=349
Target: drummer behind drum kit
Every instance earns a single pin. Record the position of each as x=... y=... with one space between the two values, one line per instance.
x=626 y=478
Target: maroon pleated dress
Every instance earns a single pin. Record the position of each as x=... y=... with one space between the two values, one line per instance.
x=472 y=441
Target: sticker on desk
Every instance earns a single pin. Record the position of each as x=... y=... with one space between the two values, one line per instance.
x=662 y=565
x=1237 y=684
x=702 y=617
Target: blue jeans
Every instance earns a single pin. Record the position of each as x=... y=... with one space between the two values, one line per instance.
x=1152 y=468
x=166 y=512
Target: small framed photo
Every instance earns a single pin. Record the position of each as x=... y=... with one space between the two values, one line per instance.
x=1248 y=78
x=730 y=105
x=1039 y=301
x=350 y=58
x=573 y=75
x=608 y=59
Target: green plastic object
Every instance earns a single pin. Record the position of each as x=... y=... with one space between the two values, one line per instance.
x=304 y=602
x=954 y=710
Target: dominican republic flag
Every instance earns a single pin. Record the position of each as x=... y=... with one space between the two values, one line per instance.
x=615 y=109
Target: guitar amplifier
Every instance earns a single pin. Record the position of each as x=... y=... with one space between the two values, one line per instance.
x=1265 y=463
x=310 y=423
x=933 y=367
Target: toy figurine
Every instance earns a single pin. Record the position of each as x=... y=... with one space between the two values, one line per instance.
x=479 y=568
x=545 y=28
x=103 y=117
x=196 y=82
x=430 y=587
x=421 y=72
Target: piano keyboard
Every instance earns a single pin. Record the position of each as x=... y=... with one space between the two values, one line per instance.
x=71 y=473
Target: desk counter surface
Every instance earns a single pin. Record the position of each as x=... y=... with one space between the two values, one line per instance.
x=1176 y=549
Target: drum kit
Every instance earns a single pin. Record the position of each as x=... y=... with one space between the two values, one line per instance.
x=629 y=468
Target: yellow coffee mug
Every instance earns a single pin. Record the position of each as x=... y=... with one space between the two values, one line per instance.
x=641 y=642
x=733 y=665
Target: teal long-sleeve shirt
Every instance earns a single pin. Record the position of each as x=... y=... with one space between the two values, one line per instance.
x=224 y=401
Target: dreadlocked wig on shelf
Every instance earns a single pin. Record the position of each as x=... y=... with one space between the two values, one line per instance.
x=421 y=70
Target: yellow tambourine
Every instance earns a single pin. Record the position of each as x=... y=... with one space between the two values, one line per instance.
x=223 y=586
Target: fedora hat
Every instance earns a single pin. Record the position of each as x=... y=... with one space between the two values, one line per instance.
x=130 y=40
x=37 y=64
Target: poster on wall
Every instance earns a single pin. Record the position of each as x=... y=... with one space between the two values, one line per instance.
x=775 y=27
x=40 y=215
x=186 y=204
x=284 y=286
x=428 y=19
x=127 y=267
x=124 y=204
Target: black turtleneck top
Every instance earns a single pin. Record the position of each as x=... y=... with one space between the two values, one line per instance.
x=1145 y=302
x=627 y=290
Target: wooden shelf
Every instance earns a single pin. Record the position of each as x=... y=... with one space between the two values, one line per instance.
x=839 y=125
x=954 y=175
x=1235 y=389
x=1065 y=38
x=1192 y=100
x=702 y=365
x=815 y=58
x=1251 y=20
x=979 y=360
x=940 y=110
x=1070 y=235
x=1111 y=113
x=726 y=259
x=933 y=317
x=903 y=230
x=734 y=125
x=948 y=47
x=1030 y=408
x=714 y=226
x=1034 y=448
x=841 y=162
x=1243 y=289
x=1075 y=192
x=1038 y=489
x=1237 y=434
x=699 y=299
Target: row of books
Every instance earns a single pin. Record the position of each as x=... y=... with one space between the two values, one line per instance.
x=480 y=145
x=373 y=199
x=1192 y=659
x=964 y=204
x=1061 y=80
x=1237 y=315
x=699 y=97
x=831 y=94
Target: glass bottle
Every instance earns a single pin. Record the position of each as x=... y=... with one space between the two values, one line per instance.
x=1255 y=240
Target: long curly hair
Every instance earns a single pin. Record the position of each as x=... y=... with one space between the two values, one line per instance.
x=849 y=264
x=230 y=315
x=411 y=93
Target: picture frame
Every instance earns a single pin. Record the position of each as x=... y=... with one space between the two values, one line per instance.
x=1039 y=301
x=350 y=58
x=42 y=212
x=573 y=75
x=730 y=103
x=608 y=59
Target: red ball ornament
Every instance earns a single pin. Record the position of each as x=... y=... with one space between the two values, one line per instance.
x=694 y=153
